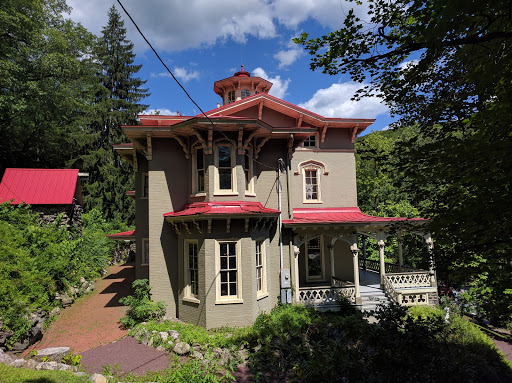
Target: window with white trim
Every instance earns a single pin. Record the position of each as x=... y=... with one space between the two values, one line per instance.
x=248 y=171
x=231 y=96
x=314 y=259
x=310 y=142
x=311 y=185
x=191 y=269
x=225 y=174
x=199 y=170
x=145 y=251
x=229 y=284
x=261 y=277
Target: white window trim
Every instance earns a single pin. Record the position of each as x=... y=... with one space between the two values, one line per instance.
x=322 y=261
x=195 y=192
x=249 y=192
x=143 y=182
x=145 y=260
x=217 y=190
x=260 y=294
x=319 y=185
x=187 y=293
x=229 y=299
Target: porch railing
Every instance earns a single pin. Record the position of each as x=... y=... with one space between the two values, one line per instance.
x=328 y=296
x=337 y=282
x=373 y=265
x=409 y=289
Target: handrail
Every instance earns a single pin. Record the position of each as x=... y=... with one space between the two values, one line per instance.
x=337 y=282
x=410 y=289
x=312 y=296
x=373 y=265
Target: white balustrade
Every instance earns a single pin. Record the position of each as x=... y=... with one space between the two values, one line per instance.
x=313 y=296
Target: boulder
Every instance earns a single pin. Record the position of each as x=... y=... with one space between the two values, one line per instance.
x=18 y=362
x=22 y=345
x=163 y=336
x=66 y=367
x=4 y=358
x=82 y=280
x=150 y=342
x=197 y=355
x=55 y=312
x=97 y=378
x=65 y=299
x=80 y=373
x=160 y=348
x=145 y=338
x=52 y=353
x=174 y=334
x=31 y=364
x=181 y=348
x=52 y=365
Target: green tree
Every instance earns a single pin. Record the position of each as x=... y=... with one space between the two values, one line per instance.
x=117 y=95
x=45 y=77
x=445 y=67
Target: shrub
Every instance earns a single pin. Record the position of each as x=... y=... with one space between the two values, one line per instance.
x=142 y=308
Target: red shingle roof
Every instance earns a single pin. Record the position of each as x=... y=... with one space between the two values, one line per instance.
x=222 y=208
x=345 y=215
x=125 y=235
x=39 y=186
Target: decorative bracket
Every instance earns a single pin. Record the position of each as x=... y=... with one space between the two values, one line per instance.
x=324 y=131
x=299 y=123
x=176 y=227
x=185 y=225
x=200 y=138
x=260 y=110
x=260 y=145
x=149 y=151
x=354 y=133
x=209 y=226
x=248 y=140
x=135 y=163
x=183 y=145
x=198 y=227
x=210 y=141
x=240 y=140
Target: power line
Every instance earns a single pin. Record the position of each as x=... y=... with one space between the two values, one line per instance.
x=182 y=87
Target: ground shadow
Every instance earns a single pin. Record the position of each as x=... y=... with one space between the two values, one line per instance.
x=120 y=289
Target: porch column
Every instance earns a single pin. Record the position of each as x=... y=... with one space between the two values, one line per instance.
x=331 y=254
x=380 y=242
x=295 y=279
x=355 y=264
x=430 y=248
x=400 y=254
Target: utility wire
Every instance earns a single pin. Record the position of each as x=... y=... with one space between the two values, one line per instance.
x=21 y=199
x=183 y=88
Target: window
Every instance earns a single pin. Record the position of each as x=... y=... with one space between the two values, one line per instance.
x=145 y=251
x=229 y=285
x=249 y=184
x=311 y=184
x=191 y=270
x=245 y=93
x=310 y=142
x=145 y=185
x=261 y=278
x=231 y=96
x=199 y=169
x=225 y=175
x=314 y=259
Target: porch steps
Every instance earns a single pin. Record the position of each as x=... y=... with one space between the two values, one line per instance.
x=372 y=297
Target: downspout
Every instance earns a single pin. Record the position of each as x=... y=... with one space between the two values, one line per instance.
x=279 y=207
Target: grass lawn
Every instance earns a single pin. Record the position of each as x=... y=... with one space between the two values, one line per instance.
x=10 y=374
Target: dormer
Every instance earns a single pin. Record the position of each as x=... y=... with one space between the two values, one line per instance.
x=239 y=86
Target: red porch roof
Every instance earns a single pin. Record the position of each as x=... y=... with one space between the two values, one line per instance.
x=123 y=236
x=39 y=186
x=345 y=215
x=222 y=208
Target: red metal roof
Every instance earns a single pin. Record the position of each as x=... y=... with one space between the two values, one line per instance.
x=125 y=235
x=346 y=215
x=39 y=186
x=222 y=208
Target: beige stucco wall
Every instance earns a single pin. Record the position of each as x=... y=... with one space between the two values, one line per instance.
x=141 y=218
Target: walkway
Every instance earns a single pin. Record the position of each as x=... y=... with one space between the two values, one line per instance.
x=92 y=320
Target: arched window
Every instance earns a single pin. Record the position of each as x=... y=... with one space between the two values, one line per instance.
x=231 y=96
x=312 y=172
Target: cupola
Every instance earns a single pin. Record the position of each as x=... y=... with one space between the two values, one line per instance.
x=239 y=86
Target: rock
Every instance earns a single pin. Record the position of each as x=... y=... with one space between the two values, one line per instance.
x=225 y=357
x=71 y=292
x=80 y=373
x=4 y=358
x=243 y=355
x=52 y=353
x=145 y=338
x=181 y=348
x=31 y=364
x=55 y=312
x=170 y=342
x=217 y=352
x=52 y=365
x=174 y=334
x=66 y=300
x=197 y=355
x=150 y=342
x=163 y=336
x=20 y=346
x=3 y=336
x=66 y=367
x=36 y=333
x=97 y=378
x=18 y=363
x=82 y=280
x=160 y=348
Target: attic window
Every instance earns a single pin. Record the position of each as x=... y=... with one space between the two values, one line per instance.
x=231 y=96
x=311 y=141
x=245 y=93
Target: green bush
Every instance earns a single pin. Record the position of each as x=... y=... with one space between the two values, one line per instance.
x=142 y=308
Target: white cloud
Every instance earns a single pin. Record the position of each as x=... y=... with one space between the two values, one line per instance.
x=335 y=101
x=408 y=64
x=185 y=75
x=288 y=56
x=279 y=86
x=172 y=25
x=160 y=111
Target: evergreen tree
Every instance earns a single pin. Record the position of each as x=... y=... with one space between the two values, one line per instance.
x=118 y=92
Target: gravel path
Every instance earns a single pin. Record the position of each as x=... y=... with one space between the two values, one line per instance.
x=92 y=320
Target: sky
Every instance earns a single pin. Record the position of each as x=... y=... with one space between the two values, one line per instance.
x=203 y=41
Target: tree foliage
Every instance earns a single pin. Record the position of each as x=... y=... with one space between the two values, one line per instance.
x=445 y=68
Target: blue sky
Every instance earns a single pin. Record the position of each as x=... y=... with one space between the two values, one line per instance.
x=203 y=41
